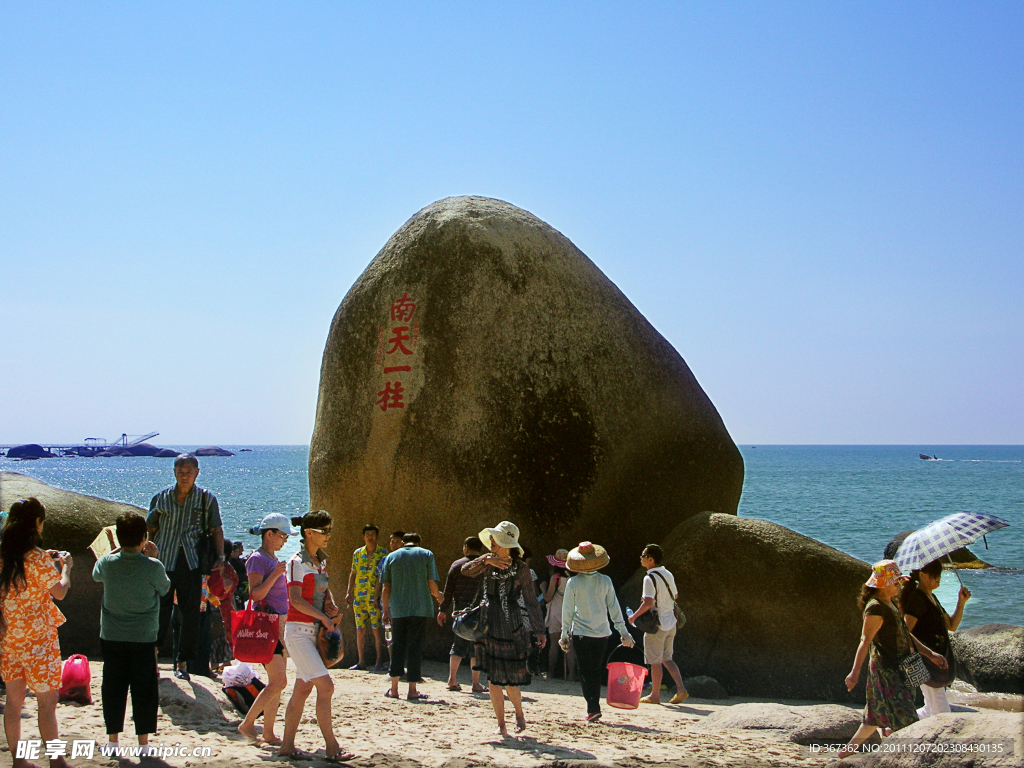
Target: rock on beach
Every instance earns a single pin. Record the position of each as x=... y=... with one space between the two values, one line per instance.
x=73 y=520
x=483 y=368
x=990 y=657
x=769 y=612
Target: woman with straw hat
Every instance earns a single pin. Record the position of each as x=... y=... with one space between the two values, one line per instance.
x=503 y=652
x=588 y=601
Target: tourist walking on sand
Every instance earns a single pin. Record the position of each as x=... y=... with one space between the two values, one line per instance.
x=133 y=581
x=503 y=652
x=362 y=589
x=884 y=640
x=589 y=601
x=659 y=594
x=30 y=580
x=269 y=591
x=554 y=591
x=310 y=603
x=459 y=592
x=410 y=581
x=929 y=623
x=178 y=517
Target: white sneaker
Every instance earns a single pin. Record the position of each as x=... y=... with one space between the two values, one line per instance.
x=107 y=750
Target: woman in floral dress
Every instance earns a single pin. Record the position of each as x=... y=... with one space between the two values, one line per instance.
x=884 y=640
x=30 y=580
x=505 y=649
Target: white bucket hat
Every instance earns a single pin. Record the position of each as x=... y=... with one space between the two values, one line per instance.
x=504 y=534
x=275 y=521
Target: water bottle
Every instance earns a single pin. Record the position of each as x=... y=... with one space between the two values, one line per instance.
x=387 y=632
x=629 y=613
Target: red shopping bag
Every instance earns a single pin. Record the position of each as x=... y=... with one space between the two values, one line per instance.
x=253 y=635
x=75 y=678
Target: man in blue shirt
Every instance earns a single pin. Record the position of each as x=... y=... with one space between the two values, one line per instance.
x=178 y=516
x=410 y=580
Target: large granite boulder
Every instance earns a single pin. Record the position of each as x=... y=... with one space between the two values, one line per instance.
x=990 y=657
x=212 y=450
x=73 y=521
x=769 y=612
x=29 y=451
x=815 y=724
x=483 y=368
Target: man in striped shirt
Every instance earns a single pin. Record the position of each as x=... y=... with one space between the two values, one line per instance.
x=178 y=516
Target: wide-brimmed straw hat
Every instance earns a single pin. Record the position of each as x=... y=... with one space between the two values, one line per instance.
x=504 y=534
x=558 y=559
x=587 y=557
x=884 y=573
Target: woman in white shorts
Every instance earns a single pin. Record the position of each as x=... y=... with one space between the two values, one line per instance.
x=310 y=604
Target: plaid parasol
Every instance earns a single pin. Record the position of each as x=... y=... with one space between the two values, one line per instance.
x=944 y=536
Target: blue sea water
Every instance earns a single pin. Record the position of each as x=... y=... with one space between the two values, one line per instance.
x=854 y=498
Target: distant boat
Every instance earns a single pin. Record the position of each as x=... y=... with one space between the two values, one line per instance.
x=245 y=450
x=926 y=457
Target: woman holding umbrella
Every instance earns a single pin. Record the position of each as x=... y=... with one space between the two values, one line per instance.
x=890 y=702
x=928 y=621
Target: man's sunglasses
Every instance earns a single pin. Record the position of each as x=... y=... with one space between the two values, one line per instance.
x=324 y=531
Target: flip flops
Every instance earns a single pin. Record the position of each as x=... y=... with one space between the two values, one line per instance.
x=298 y=754
x=417 y=697
x=389 y=695
x=455 y=687
x=341 y=757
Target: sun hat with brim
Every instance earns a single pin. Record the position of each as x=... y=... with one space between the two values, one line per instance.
x=558 y=559
x=587 y=557
x=504 y=534
x=884 y=573
x=275 y=521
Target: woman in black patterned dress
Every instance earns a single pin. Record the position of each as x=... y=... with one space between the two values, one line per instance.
x=504 y=650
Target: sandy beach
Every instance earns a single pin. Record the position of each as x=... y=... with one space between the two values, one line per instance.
x=447 y=729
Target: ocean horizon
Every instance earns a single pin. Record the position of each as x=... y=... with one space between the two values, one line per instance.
x=854 y=498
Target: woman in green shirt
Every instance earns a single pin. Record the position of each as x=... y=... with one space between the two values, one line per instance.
x=133 y=583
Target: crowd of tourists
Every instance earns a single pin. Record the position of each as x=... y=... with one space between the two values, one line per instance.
x=172 y=570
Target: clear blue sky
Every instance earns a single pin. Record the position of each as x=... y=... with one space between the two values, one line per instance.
x=821 y=205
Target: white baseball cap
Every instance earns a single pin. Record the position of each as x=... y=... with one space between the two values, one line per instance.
x=275 y=521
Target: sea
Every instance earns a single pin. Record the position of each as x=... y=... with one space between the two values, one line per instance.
x=853 y=498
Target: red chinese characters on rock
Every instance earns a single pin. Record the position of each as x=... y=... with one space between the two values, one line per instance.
x=391 y=396
x=397 y=342
x=402 y=310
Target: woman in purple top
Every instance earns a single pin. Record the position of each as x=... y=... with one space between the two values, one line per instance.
x=267 y=585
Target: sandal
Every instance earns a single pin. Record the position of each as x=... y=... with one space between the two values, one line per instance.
x=341 y=757
x=298 y=754
x=455 y=687
x=417 y=697
x=389 y=695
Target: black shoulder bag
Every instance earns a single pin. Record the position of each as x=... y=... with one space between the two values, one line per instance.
x=471 y=623
x=649 y=621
